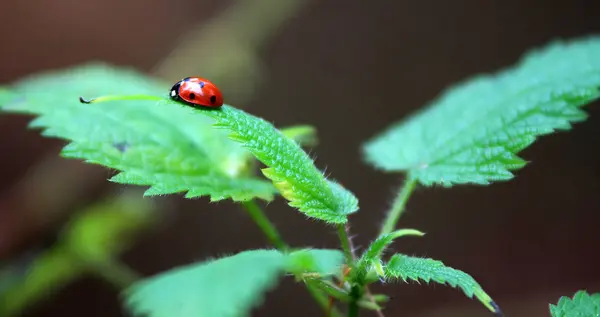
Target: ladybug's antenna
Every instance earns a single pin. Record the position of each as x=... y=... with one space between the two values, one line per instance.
x=116 y=98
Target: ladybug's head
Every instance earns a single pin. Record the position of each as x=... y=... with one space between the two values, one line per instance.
x=197 y=92
x=174 y=94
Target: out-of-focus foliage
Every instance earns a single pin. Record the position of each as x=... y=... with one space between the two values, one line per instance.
x=95 y=235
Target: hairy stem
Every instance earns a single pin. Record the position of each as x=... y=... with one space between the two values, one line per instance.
x=357 y=290
x=367 y=290
x=267 y=227
x=355 y=294
x=398 y=206
x=350 y=244
x=323 y=301
x=345 y=241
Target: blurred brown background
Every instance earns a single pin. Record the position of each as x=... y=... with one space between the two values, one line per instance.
x=350 y=68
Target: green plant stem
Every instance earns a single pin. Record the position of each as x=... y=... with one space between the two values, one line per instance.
x=355 y=294
x=367 y=290
x=323 y=301
x=345 y=241
x=350 y=259
x=398 y=206
x=267 y=227
x=378 y=311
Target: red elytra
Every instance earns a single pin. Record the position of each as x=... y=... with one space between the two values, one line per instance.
x=197 y=91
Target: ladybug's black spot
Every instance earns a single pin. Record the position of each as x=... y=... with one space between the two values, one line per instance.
x=192 y=96
x=213 y=99
x=201 y=84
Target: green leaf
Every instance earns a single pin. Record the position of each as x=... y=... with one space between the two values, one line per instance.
x=414 y=268
x=225 y=287
x=163 y=145
x=169 y=172
x=321 y=261
x=330 y=289
x=7 y=96
x=473 y=131
x=343 y=295
x=289 y=167
x=582 y=305
x=229 y=286
x=372 y=255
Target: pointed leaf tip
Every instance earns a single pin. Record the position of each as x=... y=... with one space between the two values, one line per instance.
x=290 y=169
x=405 y=267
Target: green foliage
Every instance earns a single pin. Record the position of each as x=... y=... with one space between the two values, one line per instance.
x=582 y=305
x=470 y=134
x=473 y=131
x=165 y=145
x=49 y=271
x=229 y=286
x=414 y=268
x=322 y=261
x=107 y=228
x=99 y=232
x=225 y=287
x=330 y=289
x=288 y=166
x=373 y=253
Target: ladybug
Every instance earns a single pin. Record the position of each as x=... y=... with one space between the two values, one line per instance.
x=197 y=91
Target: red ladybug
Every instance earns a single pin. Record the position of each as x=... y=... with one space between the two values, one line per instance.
x=197 y=91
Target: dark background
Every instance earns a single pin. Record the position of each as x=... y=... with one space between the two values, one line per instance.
x=350 y=68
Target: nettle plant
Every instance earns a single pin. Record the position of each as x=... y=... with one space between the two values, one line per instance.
x=470 y=135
